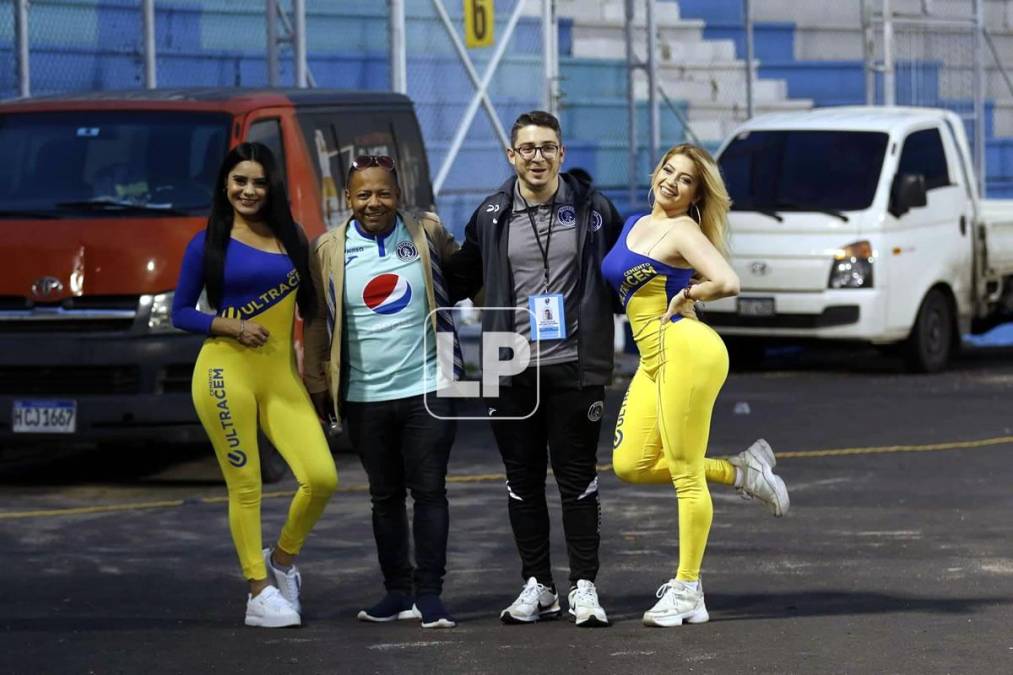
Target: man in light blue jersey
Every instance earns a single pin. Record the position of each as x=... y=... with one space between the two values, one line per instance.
x=371 y=365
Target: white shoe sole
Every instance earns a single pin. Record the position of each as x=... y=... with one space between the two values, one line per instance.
x=439 y=623
x=405 y=615
x=506 y=617
x=272 y=622
x=591 y=621
x=669 y=620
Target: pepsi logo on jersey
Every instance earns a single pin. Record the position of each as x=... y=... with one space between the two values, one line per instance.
x=387 y=293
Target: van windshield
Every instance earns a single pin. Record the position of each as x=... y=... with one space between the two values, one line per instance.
x=827 y=171
x=109 y=163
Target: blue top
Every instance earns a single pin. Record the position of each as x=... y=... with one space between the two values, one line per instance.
x=628 y=271
x=646 y=287
x=255 y=281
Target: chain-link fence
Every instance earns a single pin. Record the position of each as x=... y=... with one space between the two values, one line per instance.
x=8 y=52
x=700 y=72
x=939 y=54
x=924 y=59
x=466 y=157
x=99 y=45
x=74 y=45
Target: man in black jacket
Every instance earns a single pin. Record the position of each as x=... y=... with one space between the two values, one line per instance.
x=537 y=244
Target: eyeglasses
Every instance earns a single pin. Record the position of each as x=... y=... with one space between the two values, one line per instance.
x=366 y=161
x=528 y=150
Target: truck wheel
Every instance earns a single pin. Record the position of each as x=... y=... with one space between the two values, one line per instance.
x=745 y=353
x=272 y=466
x=930 y=344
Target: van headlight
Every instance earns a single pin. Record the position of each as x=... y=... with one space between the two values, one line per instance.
x=852 y=266
x=159 y=311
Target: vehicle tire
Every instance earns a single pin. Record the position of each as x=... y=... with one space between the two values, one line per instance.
x=272 y=465
x=930 y=345
x=745 y=353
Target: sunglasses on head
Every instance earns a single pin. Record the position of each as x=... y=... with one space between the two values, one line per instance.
x=366 y=161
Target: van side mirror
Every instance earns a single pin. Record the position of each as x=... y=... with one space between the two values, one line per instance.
x=907 y=191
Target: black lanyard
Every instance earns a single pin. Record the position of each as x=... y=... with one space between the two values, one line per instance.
x=544 y=250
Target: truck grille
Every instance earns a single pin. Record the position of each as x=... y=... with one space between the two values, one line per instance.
x=55 y=381
x=175 y=378
x=67 y=326
x=84 y=314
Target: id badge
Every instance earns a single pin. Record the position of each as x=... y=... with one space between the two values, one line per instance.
x=548 y=320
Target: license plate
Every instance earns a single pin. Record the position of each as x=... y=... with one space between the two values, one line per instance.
x=756 y=306
x=44 y=417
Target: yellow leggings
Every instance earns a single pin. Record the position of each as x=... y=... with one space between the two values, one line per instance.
x=234 y=386
x=663 y=428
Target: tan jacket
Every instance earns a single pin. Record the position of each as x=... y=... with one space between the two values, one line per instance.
x=322 y=357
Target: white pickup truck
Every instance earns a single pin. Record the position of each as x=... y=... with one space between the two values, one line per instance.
x=862 y=223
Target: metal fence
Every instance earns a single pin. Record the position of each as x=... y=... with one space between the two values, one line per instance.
x=626 y=77
x=929 y=58
x=941 y=54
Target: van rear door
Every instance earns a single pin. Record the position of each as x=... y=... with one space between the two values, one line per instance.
x=336 y=136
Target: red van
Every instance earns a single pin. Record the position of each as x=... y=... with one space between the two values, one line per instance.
x=99 y=194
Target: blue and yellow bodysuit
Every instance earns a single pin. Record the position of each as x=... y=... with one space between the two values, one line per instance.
x=235 y=386
x=664 y=422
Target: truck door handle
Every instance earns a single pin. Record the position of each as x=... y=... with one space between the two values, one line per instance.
x=963 y=225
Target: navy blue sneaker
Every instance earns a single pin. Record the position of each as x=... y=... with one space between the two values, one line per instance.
x=394 y=606
x=434 y=614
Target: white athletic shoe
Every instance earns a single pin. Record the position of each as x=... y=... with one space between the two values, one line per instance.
x=677 y=603
x=758 y=478
x=289 y=583
x=535 y=603
x=584 y=607
x=270 y=610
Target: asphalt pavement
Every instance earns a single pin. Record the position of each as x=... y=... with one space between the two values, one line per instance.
x=896 y=556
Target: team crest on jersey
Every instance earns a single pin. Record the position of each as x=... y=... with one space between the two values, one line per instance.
x=566 y=215
x=406 y=251
x=596 y=221
x=387 y=293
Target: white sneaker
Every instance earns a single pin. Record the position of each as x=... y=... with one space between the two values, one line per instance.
x=678 y=603
x=289 y=583
x=536 y=602
x=758 y=478
x=270 y=610
x=584 y=607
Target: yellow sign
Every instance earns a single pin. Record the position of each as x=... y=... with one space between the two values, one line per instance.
x=479 y=18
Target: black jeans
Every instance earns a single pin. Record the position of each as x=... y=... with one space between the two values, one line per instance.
x=403 y=447
x=568 y=423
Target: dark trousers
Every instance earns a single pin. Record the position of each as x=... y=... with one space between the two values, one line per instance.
x=403 y=447
x=564 y=430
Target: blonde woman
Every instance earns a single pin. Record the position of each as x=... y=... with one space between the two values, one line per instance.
x=664 y=423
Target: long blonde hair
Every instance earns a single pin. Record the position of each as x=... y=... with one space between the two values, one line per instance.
x=712 y=195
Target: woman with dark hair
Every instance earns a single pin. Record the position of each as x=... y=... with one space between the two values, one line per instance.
x=253 y=262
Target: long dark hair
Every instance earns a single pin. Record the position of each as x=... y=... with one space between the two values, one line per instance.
x=277 y=216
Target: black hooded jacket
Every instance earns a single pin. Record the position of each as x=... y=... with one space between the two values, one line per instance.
x=482 y=262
